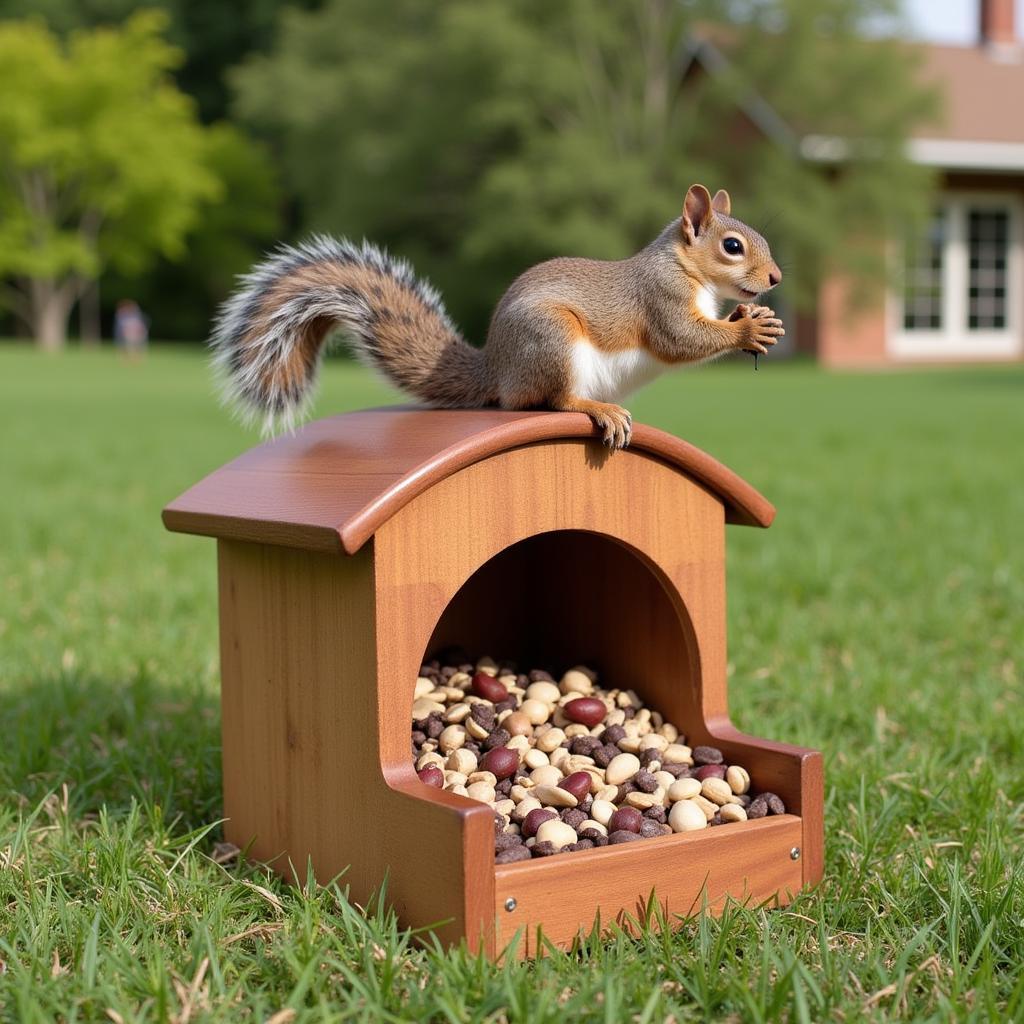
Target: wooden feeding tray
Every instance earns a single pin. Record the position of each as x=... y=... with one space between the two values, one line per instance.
x=351 y=551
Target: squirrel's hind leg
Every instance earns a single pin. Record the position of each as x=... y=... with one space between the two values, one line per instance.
x=613 y=421
x=530 y=358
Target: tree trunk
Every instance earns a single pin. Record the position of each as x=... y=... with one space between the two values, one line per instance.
x=51 y=309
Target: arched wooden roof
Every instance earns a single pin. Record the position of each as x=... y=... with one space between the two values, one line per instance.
x=330 y=485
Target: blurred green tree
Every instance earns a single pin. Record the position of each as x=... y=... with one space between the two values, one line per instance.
x=104 y=163
x=478 y=136
x=229 y=233
x=212 y=36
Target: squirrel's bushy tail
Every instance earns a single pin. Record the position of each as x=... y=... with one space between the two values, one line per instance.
x=270 y=335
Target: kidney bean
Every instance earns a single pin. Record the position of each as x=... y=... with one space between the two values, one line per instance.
x=488 y=688
x=625 y=818
x=588 y=711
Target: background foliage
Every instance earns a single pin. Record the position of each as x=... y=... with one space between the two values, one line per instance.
x=477 y=137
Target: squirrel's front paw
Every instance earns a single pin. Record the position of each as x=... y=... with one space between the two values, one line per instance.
x=615 y=422
x=760 y=328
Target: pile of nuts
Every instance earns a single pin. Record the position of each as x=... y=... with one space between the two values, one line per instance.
x=567 y=765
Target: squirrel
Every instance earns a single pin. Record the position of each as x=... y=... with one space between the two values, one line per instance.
x=569 y=334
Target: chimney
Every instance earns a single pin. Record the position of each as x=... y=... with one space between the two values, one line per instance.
x=996 y=27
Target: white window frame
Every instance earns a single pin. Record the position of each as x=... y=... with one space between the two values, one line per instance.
x=954 y=339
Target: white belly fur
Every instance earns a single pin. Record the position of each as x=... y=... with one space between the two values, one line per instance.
x=708 y=302
x=610 y=376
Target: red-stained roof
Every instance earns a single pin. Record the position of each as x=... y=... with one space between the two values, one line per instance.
x=332 y=484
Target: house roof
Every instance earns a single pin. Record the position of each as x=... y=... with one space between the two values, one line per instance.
x=979 y=129
x=333 y=483
x=980 y=91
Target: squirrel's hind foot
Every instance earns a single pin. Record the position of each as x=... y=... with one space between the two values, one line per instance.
x=614 y=422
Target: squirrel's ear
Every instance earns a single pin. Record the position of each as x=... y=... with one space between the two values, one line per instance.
x=721 y=203
x=696 y=213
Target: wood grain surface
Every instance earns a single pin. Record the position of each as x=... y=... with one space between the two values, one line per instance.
x=556 y=898
x=302 y=765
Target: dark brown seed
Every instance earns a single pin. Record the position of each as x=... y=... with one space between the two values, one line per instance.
x=573 y=817
x=597 y=838
x=488 y=688
x=629 y=713
x=506 y=840
x=509 y=704
x=625 y=818
x=578 y=784
x=716 y=819
x=418 y=737
x=432 y=776
x=622 y=836
x=585 y=804
x=758 y=808
x=501 y=761
x=498 y=738
x=513 y=854
x=472 y=746
x=707 y=755
x=582 y=844
x=679 y=771
x=435 y=726
x=504 y=787
x=603 y=755
x=775 y=804
x=588 y=711
x=545 y=849
x=709 y=771
x=613 y=734
x=645 y=782
x=649 y=755
x=624 y=790
x=656 y=813
x=482 y=714
x=538 y=675
x=745 y=799
x=534 y=820
x=650 y=829
x=584 y=745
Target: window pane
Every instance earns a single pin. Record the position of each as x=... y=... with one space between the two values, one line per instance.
x=922 y=293
x=988 y=233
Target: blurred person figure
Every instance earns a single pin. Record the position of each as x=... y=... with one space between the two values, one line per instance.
x=131 y=328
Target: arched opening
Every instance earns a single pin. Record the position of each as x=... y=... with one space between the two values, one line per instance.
x=572 y=597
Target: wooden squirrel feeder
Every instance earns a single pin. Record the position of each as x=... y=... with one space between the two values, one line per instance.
x=352 y=551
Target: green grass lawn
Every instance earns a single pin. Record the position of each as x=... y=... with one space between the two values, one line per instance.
x=880 y=620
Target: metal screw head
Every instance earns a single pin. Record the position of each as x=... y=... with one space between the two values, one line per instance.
x=510 y=904
x=794 y=854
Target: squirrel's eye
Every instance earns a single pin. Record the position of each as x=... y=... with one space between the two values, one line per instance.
x=733 y=246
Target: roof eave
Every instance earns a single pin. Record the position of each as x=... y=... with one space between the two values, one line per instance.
x=945 y=154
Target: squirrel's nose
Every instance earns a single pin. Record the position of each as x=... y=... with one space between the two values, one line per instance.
x=774 y=275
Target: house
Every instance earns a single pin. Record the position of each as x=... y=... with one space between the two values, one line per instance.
x=958 y=295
